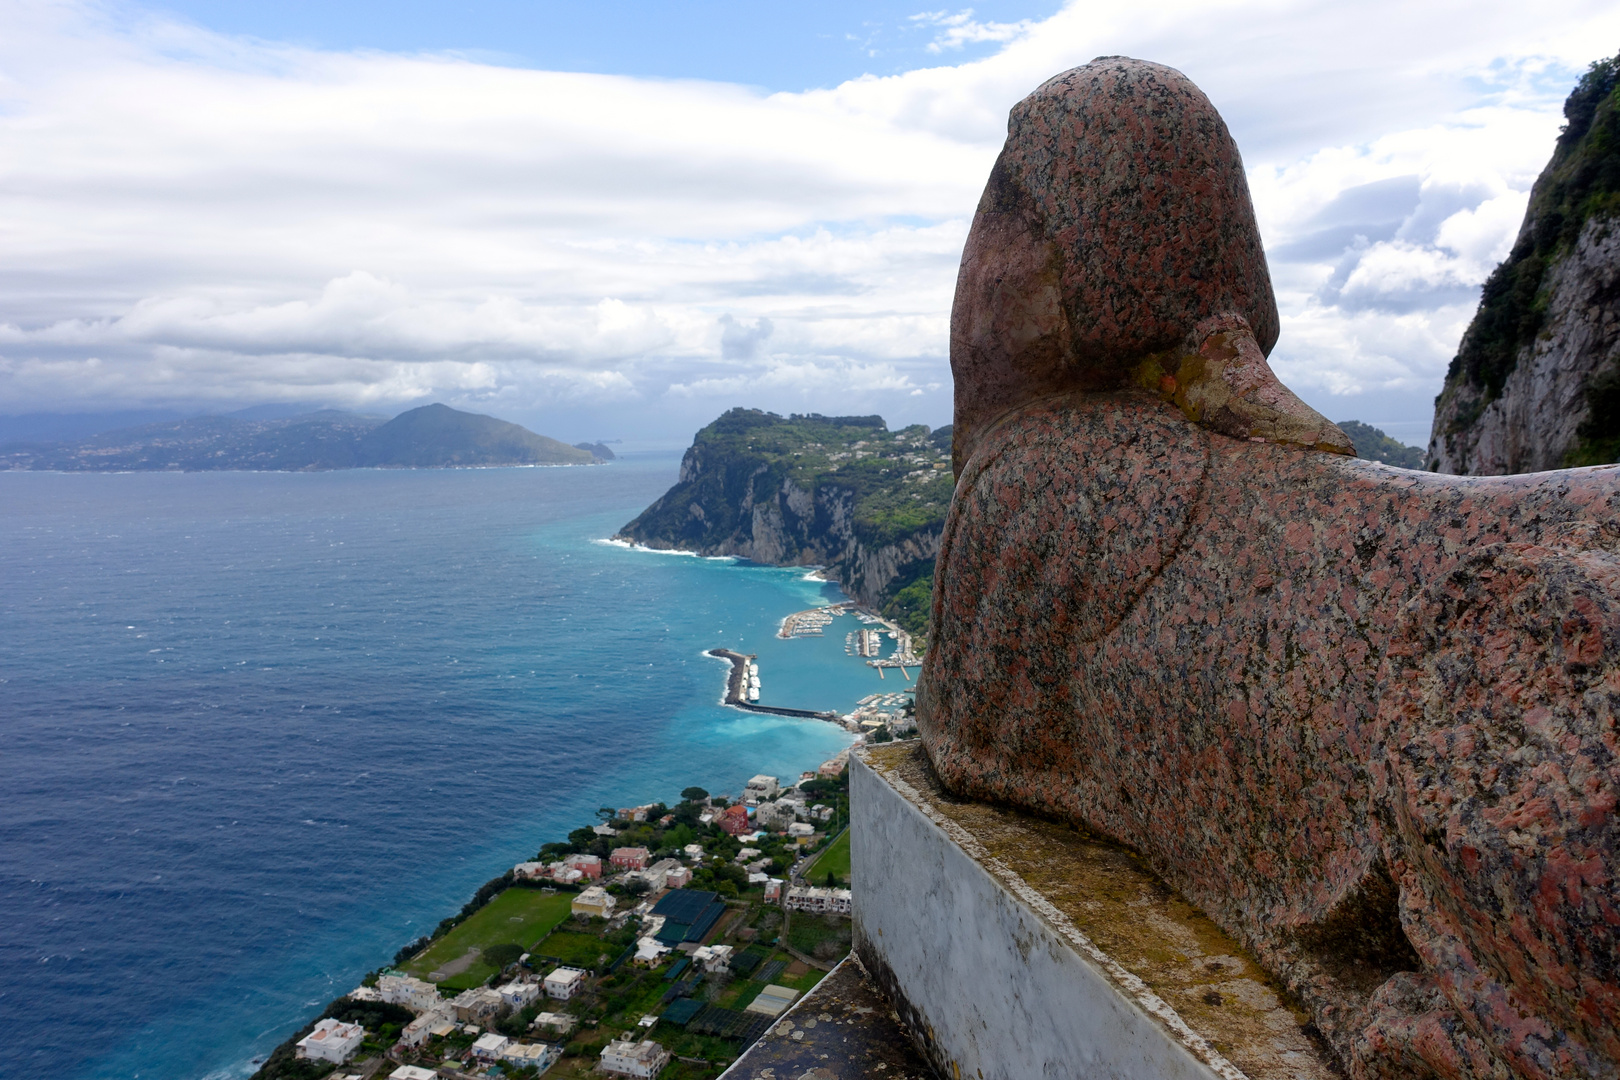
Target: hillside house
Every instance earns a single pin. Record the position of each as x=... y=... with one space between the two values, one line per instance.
x=554 y=1025
x=775 y=816
x=733 y=820
x=801 y=832
x=564 y=982
x=479 y=1005
x=643 y=1060
x=762 y=787
x=518 y=994
x=413 y=1072
x=332 y=1040
x=417 y=1031
x=415 y=994
x=818 y=900
x=589 y=865
x=594 y=901
x=490 y=1046
x=629 y=858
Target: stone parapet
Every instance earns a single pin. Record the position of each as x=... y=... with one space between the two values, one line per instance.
x=1012 y=946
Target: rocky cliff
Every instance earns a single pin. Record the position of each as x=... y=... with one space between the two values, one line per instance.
x=1536 y=381
x=842 y=492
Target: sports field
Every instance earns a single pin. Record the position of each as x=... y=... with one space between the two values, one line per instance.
x=517 y=916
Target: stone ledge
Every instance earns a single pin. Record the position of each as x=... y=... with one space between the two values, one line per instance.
x=841 y=1030
x=1014 y=947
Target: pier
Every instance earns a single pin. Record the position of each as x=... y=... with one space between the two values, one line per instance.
x=737 y=690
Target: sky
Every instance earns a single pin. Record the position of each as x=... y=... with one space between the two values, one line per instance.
x=616 y=220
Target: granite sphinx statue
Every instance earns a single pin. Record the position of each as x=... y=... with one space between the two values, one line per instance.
x=1364 y=717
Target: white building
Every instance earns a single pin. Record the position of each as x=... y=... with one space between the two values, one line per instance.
x=693 y=852
x=417 y=1031
x=564 y=983
x=649 y=950
x=518 y=994
x=415 y=994
x=540 y=1056
x=594 y=901
x=332 y=1040
x=490 y=1046
x=557 y=1025
x=801 y=832
x=773 y=888
x=413 y=1072
x=531 y=870
x=775 y=815
x=657 y=875
x=818 y=900
x=712 y=957
x=762 y=787
x=626 y=1058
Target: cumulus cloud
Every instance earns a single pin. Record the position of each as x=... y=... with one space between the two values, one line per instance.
x=195 y=219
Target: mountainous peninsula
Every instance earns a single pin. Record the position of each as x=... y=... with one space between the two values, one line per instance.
x=842 y=492
x=431 y=437
x=1536 y=381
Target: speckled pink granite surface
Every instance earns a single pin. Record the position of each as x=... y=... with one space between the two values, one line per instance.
x=1115 y=173
x=1365 y=717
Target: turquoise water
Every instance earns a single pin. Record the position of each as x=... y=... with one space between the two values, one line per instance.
x=263 y=729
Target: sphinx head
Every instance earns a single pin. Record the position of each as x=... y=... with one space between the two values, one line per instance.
x=1115 y=245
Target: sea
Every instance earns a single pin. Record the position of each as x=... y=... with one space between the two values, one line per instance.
x=262 y=729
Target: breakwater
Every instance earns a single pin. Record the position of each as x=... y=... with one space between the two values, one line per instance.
x=737 y=690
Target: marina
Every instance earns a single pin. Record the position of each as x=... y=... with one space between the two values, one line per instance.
x=811 y=623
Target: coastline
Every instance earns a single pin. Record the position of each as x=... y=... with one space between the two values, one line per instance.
x=376 y=1008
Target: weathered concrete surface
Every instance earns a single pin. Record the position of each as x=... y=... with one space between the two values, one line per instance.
x=1016 y=947
x=844 y=1029
x=1116 y=173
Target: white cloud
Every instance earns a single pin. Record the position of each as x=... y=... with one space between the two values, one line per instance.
x=954 y=31
x=195 y=219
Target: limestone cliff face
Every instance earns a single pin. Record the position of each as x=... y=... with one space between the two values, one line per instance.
x=840 y=492
x=1535 y=380
x=1536 y=422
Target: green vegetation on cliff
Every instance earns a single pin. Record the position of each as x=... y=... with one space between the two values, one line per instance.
x=1374 y=445
x=844 y=492
x=1581 y=182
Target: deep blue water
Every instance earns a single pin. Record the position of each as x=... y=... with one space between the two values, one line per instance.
x=262 y=729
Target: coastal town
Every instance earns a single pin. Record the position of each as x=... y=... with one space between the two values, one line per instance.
x=658 y=941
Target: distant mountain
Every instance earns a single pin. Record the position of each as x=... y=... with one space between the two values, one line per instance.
x=434 y=436
x=1374 y=445
x=437 y=436
x=844 y=492
x=599 y=449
